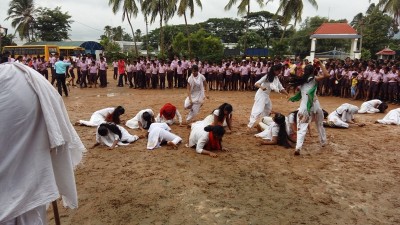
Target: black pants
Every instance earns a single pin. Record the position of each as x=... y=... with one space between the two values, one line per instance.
x=115 y=75
x=103 y=78
x=83 y=82
x=121 y=80
x=61 y=84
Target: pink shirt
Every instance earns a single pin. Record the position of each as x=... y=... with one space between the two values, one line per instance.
x=392 y=77
x=376 y=77
x=93 y=69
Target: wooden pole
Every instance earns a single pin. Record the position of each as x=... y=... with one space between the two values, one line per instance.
x=56 y=215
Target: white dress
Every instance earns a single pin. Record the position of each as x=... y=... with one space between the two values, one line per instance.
x=126 y=137
x=134 y=122
x=342 y=115
x=198 y=136
x=161 y=119
x=39 y=147
x=393 y=117
x=197 y=94
x=370 y=106
x=159 y=132
x=304 y=117
x=262 y=104
x=210 y=118
x=97 y=117
x=267 y=121
x=271 y=130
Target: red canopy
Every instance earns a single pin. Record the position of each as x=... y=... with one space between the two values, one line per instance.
x=386 y=51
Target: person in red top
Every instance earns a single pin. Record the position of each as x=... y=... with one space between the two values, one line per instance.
x=121 y=72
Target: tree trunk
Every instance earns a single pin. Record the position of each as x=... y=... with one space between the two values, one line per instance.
x=247 y=27
x=147 y=35
x=187 y=35
x=133 y=34
x=161 y=30
x=283 y=33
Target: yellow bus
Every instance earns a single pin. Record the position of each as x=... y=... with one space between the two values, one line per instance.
x=32 y=50
x=71 y=51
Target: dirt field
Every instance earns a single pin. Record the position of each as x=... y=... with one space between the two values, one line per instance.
x=353 y=180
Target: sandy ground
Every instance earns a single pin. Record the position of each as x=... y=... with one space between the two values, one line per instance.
x=353 y=180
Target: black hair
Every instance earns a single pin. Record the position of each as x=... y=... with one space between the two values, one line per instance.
x=271 y=72
x=326 y=114
x=104 y=127
x=283 y=138
x=222 y=108
x=307 y=76
x=61 y=58
x=195 y=68
x=217 y=130
x=118 y=111
x=148 y=118
x=382 y=107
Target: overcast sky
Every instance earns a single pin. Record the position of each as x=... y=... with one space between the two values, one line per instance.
x=90 y=16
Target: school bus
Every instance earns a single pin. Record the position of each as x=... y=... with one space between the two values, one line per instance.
x=32 y=50
x=71 y=51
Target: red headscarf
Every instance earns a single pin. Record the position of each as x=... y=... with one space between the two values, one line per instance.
x=213 y=143
x=168 y=111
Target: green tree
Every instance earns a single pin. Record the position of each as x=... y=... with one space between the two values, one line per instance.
x=129 y=10
x=109 y=45
x=266 y=24
x=108 y=31
x=252 y=40
x=117 y=33
x=138 y=35
x=8 y=40
x=243 y=8
x=22 y=13
x=392 y=7
x=53 y=25
x=227 y=29
x=164 y=10
x=292 y=10
x=183 y=6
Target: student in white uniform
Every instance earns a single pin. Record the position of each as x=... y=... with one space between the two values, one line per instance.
x=104 y=115
x=39 y=147
x=160 y=133
x=309 y=105
x=393 y=117
x=196 y=93
x=276 y=132
x=221 y=116
x=206 y=139
x=169 y=114
x=373 y=106
x=112 y=135
x=142 y=120
x=262 y=103
x=342 y=116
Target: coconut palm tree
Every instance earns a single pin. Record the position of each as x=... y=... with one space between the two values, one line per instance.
x=391 y=7
x=129 y=10
x=165 y=9
x=108 y=31
x=146 y=12
x=183 y=6
x=22 y=13
x=244 y=8
x=292 y=10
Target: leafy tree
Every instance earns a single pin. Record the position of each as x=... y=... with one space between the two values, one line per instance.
x=229 y=30
x=129 y=9
x=183 y=6
x=279 y=48
x=391 y=7
x=252 y=40
x=53 y=25
x=127 y=37
x=205 y=46
x=138 y=35
x=8 y=40
x=243 y=8
x=22 y=13
x=109 y=45
x=266 y=24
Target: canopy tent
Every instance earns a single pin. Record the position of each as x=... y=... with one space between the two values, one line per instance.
x=386 y=53
x=336 y=31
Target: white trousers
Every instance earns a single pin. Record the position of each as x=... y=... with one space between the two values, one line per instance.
x=194 y=109
x=36 y=216
x=337 y=121
x=302 y=125
x=262 y=107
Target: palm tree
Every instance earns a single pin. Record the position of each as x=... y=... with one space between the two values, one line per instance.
x=292 y=9
x=22 y=13
x=108 y=31
x=391 y=7
x=146 y=12
x=165 y=9
x=129 y=9
x=188 y=5
x=360 y=20
x=244 y=7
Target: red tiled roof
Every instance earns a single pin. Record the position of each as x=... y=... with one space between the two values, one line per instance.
x=335 y=28
x=386 y=51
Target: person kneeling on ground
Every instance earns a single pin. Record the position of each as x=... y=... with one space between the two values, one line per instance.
x=112 y=135
x=159 y=133
x=373 y=106
x=221 y=116
x=342 y=117
x=206 y=138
